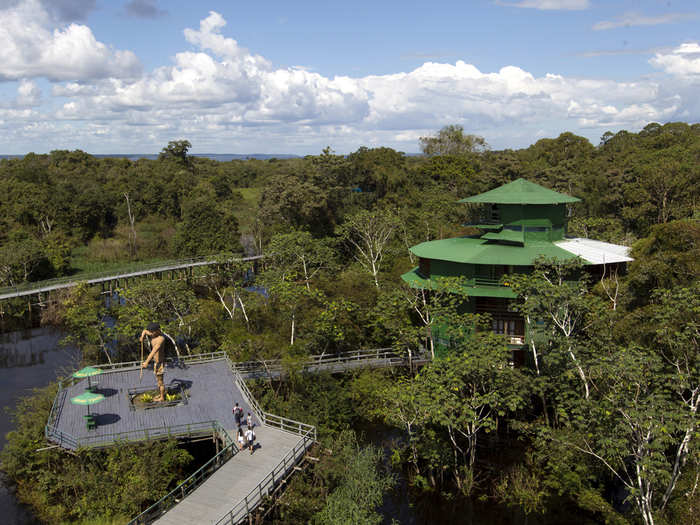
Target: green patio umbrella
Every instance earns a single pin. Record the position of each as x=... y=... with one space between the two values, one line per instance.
x=88 y=372
x=87 y=398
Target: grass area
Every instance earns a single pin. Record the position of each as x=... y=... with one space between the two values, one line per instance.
x=245 y=211
x=81 y=263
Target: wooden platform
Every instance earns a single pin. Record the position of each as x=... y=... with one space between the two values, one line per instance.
x=234 y=481
x=212 y=392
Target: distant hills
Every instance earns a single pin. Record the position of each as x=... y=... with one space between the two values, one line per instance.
x=222 y=157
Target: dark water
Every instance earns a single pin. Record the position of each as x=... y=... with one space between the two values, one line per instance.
x=28 y=359
x=409 y=506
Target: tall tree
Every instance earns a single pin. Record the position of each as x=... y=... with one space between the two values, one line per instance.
x=299 y=251
x=369 y=233
x=176 y=150
x=451 y=140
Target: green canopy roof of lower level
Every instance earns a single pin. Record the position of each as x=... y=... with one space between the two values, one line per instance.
x=470 y=287
x=477 y=250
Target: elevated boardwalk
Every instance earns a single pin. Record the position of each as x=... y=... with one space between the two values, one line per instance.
x=40 y=287
x=230 y=486
x=209 y=383
x=330 y=363
x=244 y=475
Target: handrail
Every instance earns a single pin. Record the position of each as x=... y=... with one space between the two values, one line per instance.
x=191 y=483
x=305 y=431
x=121 y=273
x=244 y=507
x=322 y=359
x=193 y=358
x=142 y=434
x=266 y=418
x=485 y=281
x=275 y=365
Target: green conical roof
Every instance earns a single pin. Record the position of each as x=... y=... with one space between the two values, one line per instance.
x=521 y=191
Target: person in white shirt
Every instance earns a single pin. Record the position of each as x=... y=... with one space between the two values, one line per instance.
x=250 y=438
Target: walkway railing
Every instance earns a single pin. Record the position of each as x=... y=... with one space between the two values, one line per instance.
x=266 y=418
x=345 y=360
x=249 y=503
x=121 y=273
x=324 y=361
x=190 y=484
x=62 y=438
x=188 y=430
x=243 y=508
x=253 y=499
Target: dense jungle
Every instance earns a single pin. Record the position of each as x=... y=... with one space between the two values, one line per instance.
x=610 y=437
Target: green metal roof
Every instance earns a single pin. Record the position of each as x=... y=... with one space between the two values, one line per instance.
x=416 y=281
x=475 y=250
x=506 y=235
x=521 y=191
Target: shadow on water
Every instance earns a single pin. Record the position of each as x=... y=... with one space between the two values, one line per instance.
x=28 y=359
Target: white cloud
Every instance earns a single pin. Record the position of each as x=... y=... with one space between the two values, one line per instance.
x=637 y=19
x=28 y=94
x=223 y=97
x=551 y=5
x=239 y=85
x=682 y=61
x=31 y=47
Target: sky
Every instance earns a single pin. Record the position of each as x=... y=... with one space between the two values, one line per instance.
x=128 y=76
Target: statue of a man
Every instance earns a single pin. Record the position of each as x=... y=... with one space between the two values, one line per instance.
x=157 y=354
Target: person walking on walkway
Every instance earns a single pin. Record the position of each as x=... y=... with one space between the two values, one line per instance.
x=237 y=415
x=157 y=354
x=249 y=421
x=250 y=438
x=241 y=439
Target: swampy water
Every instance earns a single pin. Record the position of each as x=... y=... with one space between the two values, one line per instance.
x=28 y=359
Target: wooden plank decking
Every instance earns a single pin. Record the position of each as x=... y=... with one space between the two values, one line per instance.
x=214 y=384
x=212 y=391
x=234 y=481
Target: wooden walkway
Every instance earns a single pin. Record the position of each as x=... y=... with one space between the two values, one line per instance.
x=40 y=287
x=330 y=363
x=210 y=386
x=228 y=488
x=238 y=478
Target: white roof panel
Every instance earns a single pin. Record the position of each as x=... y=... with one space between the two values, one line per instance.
x=595 y=252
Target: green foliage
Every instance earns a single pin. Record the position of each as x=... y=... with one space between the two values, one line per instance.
x=667 y=258
x=84 y=315
x=361 y=487
x=176 y=150
x=92 y=486
x=205 y=229
x=336 y=228
x=451 y=140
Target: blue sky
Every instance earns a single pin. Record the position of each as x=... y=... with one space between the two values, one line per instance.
x=294 y=77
